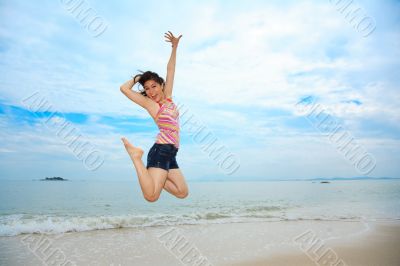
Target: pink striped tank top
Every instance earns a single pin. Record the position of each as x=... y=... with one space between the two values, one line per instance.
x=167 y=120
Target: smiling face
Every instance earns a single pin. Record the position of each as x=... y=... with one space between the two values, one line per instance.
x=154 y=90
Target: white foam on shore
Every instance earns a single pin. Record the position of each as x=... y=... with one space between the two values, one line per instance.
x=16 y=224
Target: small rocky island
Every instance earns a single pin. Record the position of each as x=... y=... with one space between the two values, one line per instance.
x=54 y=178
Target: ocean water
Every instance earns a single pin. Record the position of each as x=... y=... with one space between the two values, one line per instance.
x=55 y=207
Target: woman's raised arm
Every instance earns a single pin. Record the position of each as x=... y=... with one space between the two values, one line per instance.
x=169 y=83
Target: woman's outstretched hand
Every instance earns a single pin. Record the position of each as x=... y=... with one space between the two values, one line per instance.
x=172 y=39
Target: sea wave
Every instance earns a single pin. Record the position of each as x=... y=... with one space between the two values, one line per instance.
x=11 y=225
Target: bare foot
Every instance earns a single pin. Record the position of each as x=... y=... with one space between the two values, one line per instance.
x=134 y=152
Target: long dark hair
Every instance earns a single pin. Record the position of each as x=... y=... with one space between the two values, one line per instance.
x=149 y=75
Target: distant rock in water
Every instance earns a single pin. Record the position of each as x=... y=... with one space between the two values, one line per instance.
x=54 y=178
x=324 y=182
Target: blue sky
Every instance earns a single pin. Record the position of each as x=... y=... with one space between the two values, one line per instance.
x=241 y=69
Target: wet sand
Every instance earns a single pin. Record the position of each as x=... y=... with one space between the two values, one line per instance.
x=256 y=243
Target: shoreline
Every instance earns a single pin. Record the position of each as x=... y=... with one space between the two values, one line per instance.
x=260 y=243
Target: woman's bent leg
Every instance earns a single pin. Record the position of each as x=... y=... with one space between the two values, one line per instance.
x=151 y=180
x=176 y=184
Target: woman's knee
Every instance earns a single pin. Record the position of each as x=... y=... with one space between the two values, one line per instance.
x=152 y=197
x=183 y=194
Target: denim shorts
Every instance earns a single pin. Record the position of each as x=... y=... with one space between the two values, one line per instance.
x=162 y=156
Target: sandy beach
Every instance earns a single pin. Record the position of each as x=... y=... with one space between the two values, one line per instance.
x=259 y=243
x=377 y=246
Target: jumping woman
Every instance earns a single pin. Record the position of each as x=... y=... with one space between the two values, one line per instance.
x=162 y=170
